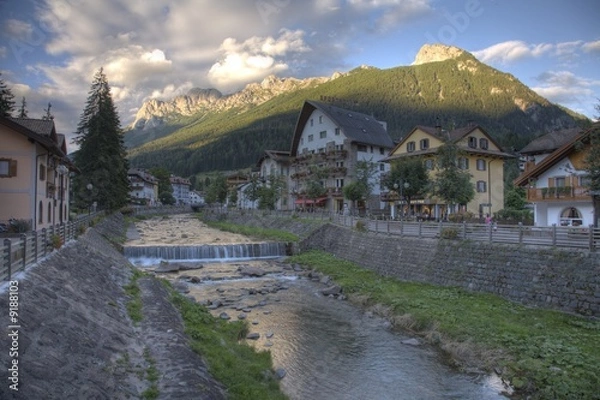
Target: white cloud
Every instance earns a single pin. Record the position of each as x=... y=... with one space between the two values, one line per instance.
x=592 y=47
x=564 y=87
x=507 y=52
x=255 y=58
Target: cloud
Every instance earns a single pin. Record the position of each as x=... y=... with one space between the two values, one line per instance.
x=591 y=47
x=255 y=58
x=564 y=87
x=517 y=50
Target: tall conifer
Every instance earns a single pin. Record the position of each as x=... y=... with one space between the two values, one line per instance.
x=7 y=104
x=101 y=158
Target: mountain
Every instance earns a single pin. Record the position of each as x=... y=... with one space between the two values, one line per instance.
x=206 y=131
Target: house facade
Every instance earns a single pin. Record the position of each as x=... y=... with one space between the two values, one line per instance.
x=481 y=157
x=181 y=190
x=144 y=187
x=327 y=144
x=34 y=173
x=274 y=168
x=556 y=180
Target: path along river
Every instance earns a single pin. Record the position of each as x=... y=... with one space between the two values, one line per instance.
x=328 y=348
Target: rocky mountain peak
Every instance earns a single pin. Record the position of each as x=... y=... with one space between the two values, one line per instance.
x=436 y=52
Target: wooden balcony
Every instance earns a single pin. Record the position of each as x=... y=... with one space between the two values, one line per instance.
x=580 y=193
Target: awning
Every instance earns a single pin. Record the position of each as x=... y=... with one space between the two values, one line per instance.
x=320 y=200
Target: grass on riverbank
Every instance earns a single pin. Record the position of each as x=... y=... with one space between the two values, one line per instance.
x=246 y=372
x=252 y=231
x=544 y=354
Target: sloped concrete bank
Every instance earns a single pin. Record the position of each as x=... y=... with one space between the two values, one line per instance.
x=70 y=337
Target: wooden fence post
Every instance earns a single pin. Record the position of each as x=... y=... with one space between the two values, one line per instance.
x=591 y=235
x=553 y=235
x=8 y=257
x=464 y=230
x=44 y=240
x=24 y=240
x=520 y=233
x=35 y=246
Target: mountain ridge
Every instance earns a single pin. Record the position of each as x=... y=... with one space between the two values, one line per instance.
x=444 y=85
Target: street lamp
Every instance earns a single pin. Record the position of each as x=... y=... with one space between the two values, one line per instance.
x=402 y=185
x=89 y=187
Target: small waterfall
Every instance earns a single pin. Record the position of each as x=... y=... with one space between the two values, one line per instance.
x=203 y=252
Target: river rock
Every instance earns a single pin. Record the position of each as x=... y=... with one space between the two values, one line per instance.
x=224 y=316
x=412 y=342
x=253 y=336
x=249 y=270
x=181 y=287
x=189 y=266
x=166 y=267
x=332 y=290
x=280 y=373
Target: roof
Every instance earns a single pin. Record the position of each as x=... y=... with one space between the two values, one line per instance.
x=145 y=176
x=40 y=131
x=276 y=155
x=555 y=156
x=453 y=136
x=550 y=141
x=358 y=127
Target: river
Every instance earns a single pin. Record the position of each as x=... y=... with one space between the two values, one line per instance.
x=327 y=347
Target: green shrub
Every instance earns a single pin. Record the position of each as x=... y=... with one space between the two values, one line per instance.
x=361 y=226
x=449 y=233
x=56 y=241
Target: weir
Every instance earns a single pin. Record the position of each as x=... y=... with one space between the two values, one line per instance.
x=202 y=252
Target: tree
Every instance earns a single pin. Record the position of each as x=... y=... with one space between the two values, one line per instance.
x=23 y=109
x=270 y=193
x=314 y=187
x=101 y=158
x=217 y=190
x=361 y=187
x=48 y=116
x=412 y=174
x=451 y=183
x=165 y=189
x=7 y=104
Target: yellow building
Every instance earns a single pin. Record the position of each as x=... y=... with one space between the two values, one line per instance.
x=481 y=157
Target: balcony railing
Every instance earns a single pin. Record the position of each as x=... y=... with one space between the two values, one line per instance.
x=558 y=193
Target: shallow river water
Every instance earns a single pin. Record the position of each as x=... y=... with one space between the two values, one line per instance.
x=328 y=348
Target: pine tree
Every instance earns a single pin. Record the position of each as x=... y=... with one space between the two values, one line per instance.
x=593 y=166
x=101 y=158
x=48 y=116
x=7 y=104
x=23 y=109
x=451 y=183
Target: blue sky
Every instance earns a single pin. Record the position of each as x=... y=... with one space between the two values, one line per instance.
x=50 y=49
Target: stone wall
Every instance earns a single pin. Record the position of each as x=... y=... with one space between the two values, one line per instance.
x=554 y=278
x=563 y=279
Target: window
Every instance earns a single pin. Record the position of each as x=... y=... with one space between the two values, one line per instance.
x=472 y=142
x=381 y=150
x=42 y=173
x=310 y=138
x=371 y=149
x=481 y=165
x=481 y=186
x=410 y=147
x=463 y=163
x=381 y=167
x=301 y=141
x=429 y=164
x=339 y=183
x=8 y=168
x=49 y=212
x=571 y=217
x=560 y=181
x=362 y=147
x=323 y=134
x=339 y=164
x=424 y=144
x=311 y=122
x=483 y=143
x=320 y=119
x=41 y=212
x=337 y=131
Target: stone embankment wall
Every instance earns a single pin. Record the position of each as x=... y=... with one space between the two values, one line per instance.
x=561 y=279
x=72 y=337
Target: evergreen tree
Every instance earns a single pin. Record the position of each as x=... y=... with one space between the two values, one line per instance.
x=165 y=189
x=217 y=190
x=593 y=166
x=101 y=158
x=48 y=116
x=412 y=174
x=7 y=104
x=23 y=109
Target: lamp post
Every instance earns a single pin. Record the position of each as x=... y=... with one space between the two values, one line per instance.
x=89 y=187
x=401 y=185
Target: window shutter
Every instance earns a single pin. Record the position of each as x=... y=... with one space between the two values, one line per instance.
x=551 y=182
x=12 y=169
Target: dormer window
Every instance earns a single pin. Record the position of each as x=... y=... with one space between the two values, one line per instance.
x=472 y=142
x=410 y=147
x=424 y=144
x=483 y=143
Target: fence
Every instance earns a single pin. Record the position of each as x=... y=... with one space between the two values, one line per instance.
x=587 y=238
x=17 y=252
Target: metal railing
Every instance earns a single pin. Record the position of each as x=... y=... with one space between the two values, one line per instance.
x=585 y=238
x=19 y=251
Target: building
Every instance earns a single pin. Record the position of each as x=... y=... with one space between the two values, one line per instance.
x=328 y=142
x=181 y=190
x=34 y=173
x=144 y=187
x=556 y=179
x=196 y=198
x=481 y=157
x=274 y=166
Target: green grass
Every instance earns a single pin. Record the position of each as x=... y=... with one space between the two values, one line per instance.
x=134 y=305
x=246 y=372
x=252 y=231
x=544 y=354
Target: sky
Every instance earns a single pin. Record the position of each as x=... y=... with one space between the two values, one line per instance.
x=50 y=49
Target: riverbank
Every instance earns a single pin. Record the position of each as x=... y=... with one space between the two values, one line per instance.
x=544 y=354
x=73 y=336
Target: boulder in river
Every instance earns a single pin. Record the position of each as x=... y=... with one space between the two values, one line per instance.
x=249 y=270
